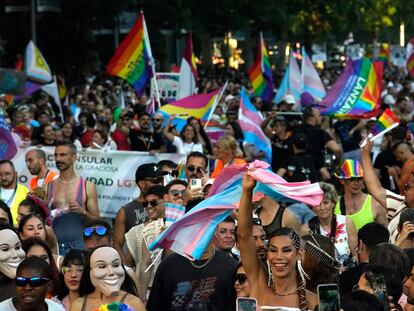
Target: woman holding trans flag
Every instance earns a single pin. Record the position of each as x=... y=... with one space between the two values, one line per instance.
x=283 y=284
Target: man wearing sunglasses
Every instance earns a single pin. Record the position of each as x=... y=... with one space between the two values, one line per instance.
x=97 y=233
x=176 y=192
x=140 y=236
x=196 y=168
x=33 y=282
x=133 y=213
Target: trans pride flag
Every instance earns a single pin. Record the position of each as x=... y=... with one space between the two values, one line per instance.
x=249 y=121
x=190 y=235
x=8 y=147
x=198 y=106
x=132 y=60
x=387 y=120
x=311 y=82
x=260 y=73
x=357 y=92
x=291 y=82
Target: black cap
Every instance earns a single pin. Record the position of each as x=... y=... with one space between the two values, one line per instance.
x=148 y=170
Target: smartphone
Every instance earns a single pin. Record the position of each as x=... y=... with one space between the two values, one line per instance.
x=246 y=304
x=328 y=297
x=195 y=183
x=377 y=283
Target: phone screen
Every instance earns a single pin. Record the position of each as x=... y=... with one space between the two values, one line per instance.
x=246 y=304
x=328 y=297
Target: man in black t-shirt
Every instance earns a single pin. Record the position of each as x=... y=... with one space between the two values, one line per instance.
x=206 y=284
x=144 y=139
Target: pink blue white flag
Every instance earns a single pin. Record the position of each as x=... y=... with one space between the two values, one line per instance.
x=249 y=121
x=291 y=83
x=173 y=212
x=190 y=235
x=8 y=147
x=311 y=82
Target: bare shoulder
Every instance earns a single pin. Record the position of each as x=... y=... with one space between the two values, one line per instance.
x=135 y=303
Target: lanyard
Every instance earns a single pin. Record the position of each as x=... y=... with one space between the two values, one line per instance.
x=10 y=200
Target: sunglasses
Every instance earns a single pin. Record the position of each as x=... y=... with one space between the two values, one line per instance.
x=176 y=193
x=193 y=168
x=126 y=119
x=152 y=203
x=35 y=281
x=78 y=269
x=173 y=173
x=89 y=231
x=257 y=221
x=157 y=120
x=241 y=278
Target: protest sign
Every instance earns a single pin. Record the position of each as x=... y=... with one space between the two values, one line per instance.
x=319 y=53
x=113 y=173
x=168 y=85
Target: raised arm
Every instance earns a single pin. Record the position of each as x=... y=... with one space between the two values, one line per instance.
x=370 y=178
x=166 y=131
x=245 y=238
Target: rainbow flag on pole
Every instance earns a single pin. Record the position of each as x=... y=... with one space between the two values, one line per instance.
x=387 y=120
x=357 y=92
x=198 y=106
x=410 y=57
x=260 y=73
x=133 y=60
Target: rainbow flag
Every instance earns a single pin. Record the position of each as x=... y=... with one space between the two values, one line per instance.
x=133 y=60
x=384 y=54
x=357 y=92
x=260 y=73
x=198 y=106
x=386 y=120
x=35 y=65
x=190 y=235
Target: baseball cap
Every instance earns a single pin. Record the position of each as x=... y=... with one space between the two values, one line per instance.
x=148 y=170
x=290 y=99
x=350 y=169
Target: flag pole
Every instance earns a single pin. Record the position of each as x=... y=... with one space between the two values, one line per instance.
x=147 y=43
x=216 y=103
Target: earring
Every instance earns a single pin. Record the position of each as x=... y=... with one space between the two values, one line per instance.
x=302 y=272
x=270 y=274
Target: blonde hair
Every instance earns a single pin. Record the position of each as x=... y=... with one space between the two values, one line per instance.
x=228 y=142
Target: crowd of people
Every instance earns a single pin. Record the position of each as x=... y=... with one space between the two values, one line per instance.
x=58 y=253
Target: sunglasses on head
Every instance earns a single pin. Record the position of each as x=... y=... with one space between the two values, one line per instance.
x=35 y=281
x=89 y=231
x=241 y=278
x=153 y=203
x=193 y=168
x=176 y=193
x=257 y=221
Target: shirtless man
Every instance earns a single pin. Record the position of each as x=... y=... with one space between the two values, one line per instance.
x=72 y=200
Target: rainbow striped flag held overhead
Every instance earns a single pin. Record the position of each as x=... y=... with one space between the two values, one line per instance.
x=190 y=235
x=291 y=83
x=249 y=121
x=260 y=73
x=311 y=82
x=357 y=92
x=36 y=67
x=387 y=120
x=133 y=60
x=198 y=106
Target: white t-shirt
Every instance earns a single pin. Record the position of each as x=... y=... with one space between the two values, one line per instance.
x=8 y=305
x=6 y=194
x=185 y=148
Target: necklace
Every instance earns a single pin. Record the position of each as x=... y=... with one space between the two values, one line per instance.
x=289 y=293
x=67 y=182
x=204 y=264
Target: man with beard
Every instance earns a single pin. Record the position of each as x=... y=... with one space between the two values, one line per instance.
x=36 y=164
x=195 y=168
x=72 y=200
x=144 y=139
x=11 y=192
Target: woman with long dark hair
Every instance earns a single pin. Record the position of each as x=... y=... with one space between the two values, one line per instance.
x=187 y=142
x=201 y=134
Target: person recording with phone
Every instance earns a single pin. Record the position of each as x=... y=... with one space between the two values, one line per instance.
x=406 y=229
x=197 y=177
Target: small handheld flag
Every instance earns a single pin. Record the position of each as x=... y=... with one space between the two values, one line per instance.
x=387 y=121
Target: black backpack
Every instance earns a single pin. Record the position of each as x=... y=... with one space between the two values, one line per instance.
x=303 y=167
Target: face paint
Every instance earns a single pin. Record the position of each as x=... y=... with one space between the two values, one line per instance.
x=107 y=274
x=11 y=253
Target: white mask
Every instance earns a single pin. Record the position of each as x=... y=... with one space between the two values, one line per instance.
x=11 y=253
x=107 y=274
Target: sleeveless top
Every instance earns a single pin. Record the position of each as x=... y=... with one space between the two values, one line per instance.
x=276 y=222
x=360 y=218
x=64 y=232
x=342 y=250
x=86 y=298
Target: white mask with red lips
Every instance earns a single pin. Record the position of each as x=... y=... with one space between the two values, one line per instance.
x=11 y=253
x=107 y=273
